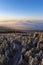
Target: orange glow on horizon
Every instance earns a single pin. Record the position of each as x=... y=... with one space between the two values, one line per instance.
x=20 y=18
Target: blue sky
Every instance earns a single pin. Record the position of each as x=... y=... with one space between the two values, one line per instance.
x=27 y=9
x=21 y=8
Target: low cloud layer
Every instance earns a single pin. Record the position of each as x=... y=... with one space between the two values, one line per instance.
x=23 y=24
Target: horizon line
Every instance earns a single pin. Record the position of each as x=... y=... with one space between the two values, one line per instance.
x=20 y=18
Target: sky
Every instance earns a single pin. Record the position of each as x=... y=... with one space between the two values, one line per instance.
x=21 y=14
x=32 y=9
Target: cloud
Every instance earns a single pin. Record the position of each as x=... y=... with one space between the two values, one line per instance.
x=23 y=24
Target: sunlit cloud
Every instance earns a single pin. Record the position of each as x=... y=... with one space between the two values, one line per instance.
x=23 y=24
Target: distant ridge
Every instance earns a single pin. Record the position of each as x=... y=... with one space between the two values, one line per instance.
x=9 y=30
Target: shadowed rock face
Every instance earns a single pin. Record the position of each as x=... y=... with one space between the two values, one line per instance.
x=21 y=49
x=34 y=50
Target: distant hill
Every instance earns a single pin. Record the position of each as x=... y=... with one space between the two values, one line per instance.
x=9 y=30
x=5 y=29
